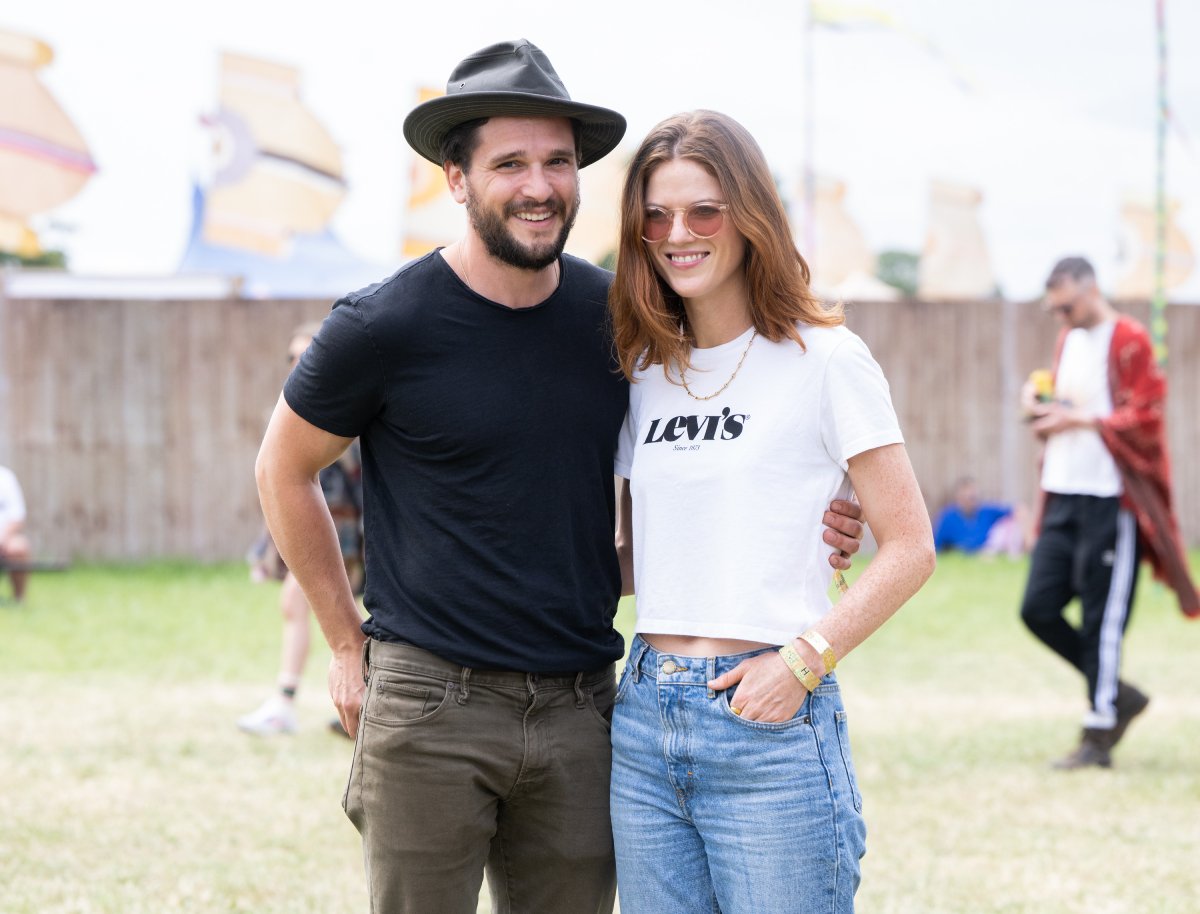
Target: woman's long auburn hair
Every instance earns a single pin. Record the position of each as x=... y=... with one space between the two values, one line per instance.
x=649 y=322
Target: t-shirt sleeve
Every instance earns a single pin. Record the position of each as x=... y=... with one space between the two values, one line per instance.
x=338 y=384
x=856 y=404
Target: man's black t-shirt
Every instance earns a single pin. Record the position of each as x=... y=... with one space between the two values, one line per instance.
x=487 y=438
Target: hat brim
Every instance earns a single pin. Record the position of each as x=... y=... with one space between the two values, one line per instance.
x=428 y=123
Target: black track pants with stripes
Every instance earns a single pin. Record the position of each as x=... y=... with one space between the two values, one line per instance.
x=1088 y=549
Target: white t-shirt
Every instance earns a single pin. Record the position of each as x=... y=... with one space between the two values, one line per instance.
x=12 y=503
x=1077 y=462
x=728 y=494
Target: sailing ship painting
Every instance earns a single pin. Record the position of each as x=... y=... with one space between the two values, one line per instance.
x=277 y=181
x=44 y=160
x=955 y=262
x=432 y=218
x=1138 y=236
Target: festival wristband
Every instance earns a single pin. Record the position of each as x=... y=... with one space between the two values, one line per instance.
x=818 y=643
x=806 y=676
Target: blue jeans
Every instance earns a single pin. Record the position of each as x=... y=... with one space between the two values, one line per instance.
x=712 y=813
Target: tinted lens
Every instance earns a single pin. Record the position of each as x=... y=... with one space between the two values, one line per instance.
x=657 y=224
x=703 y=220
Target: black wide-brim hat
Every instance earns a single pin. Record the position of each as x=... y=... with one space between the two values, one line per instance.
x=509 y=79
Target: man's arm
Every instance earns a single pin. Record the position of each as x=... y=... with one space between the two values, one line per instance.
x=625 y=535
x=9 y=529
x=884 y=479
x=292 y=454
x=1138 y=391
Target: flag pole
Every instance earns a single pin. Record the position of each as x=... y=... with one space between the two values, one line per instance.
x=1158 y=305
x=810 y=180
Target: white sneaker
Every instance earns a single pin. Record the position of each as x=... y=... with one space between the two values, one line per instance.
x=273 y=716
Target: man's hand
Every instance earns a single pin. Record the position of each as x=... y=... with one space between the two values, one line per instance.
x=346 y=687
x=1053 y=418
x=1031 y=404
x=843 y=531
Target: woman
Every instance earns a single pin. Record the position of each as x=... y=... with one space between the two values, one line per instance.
x=751 y=407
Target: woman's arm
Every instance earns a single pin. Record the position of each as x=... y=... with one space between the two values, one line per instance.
x=887 y=489
x=886 y=486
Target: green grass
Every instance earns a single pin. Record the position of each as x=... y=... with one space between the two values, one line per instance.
x=125 y=787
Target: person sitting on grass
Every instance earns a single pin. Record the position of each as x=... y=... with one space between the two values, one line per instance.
x=970 y=526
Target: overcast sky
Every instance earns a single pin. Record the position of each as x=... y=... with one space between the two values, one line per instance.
x=1047 y=106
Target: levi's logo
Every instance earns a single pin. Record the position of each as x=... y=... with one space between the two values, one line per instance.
x=725 y=427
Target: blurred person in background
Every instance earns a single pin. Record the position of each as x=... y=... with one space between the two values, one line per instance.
x=341 y=484
x=1106 y=500
x=14 y=546
x=969 y=525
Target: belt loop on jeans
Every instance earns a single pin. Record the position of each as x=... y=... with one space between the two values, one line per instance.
x=579 y=690
x=711 y=665
x=636 y=661
x=366 y=660
x=465 y=686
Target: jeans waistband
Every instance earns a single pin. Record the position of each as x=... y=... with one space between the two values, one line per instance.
x=409 y=658
x=681 y=668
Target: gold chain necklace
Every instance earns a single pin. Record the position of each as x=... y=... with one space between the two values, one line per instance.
x=683 y=376
x=462 y=262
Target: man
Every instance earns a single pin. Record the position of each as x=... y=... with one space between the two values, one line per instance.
x=1106 y=500
x=482 y=384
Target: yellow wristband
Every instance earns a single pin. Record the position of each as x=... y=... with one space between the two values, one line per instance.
x=806 y=676
x=818 y=643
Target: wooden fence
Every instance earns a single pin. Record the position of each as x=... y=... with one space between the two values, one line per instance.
x=133 y=425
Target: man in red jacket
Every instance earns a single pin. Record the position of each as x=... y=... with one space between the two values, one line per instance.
x=1106 y=500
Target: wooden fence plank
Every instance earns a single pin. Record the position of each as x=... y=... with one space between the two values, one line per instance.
x=133 y=425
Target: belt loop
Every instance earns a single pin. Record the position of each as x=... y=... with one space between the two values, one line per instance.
x=711 y=669
x=579 y=690
x=531 y=684
x=366 y=660
x=637 y=661
x=465 y=686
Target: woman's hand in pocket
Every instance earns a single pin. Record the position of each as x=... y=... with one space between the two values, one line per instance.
x=767 y=690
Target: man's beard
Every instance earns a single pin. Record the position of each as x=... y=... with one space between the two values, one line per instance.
x=501 y=244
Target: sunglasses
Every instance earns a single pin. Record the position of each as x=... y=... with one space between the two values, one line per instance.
x=703 y=220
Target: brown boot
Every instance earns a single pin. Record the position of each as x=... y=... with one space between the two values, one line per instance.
x=1092 y=752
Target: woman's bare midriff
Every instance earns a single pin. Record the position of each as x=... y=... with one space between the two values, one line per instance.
x=690 y=646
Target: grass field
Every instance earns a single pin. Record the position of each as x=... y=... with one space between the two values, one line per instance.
x=126 y=788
